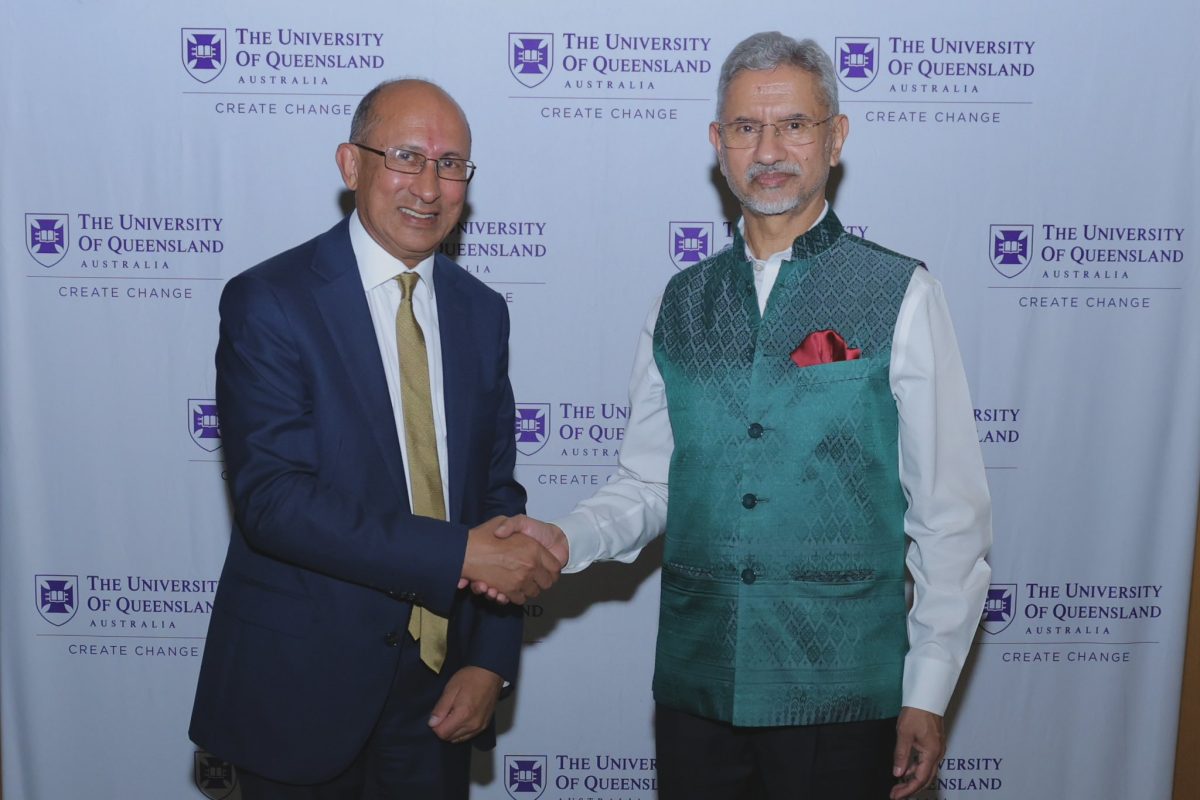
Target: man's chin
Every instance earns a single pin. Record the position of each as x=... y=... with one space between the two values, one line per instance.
x=775 y=209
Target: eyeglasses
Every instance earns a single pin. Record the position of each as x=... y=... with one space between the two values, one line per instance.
x=745 y=134
x=400 y=160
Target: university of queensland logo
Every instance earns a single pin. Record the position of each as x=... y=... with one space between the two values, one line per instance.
x=1010 y=248
x=530 y=57
x=57 y=597
x=46 y=237
x=533 y=427
x=204 y=424
x=998 y=608
x=525 y=776
x=216 y=779
x=203 y=52
x=857 y=61
x=690 y=243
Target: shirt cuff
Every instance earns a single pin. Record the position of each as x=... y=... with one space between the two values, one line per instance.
x=582 y=539
x=928 y=684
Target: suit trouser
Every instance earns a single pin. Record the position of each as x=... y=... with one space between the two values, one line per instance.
x=704 y=759
x=402 y=757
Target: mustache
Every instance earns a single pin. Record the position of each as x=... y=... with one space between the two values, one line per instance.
x=786 y=167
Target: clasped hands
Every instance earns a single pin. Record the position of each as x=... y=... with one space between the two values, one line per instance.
x=505 y=567
x=512 y=559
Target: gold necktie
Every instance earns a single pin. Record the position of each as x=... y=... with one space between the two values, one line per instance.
x=424 y=472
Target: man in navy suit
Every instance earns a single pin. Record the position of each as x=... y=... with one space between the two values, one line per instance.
x=312 y=683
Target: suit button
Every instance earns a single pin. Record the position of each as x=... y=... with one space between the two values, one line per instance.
x=391 y=639
x=755 y=431
x=748 y=576
x=749 y=501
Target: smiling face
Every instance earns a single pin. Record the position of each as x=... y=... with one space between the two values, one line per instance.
x=408 y=215
x=773 y=178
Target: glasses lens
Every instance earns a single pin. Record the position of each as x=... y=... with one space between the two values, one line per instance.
x=454 y=169
x=796 y=132
x=740 y=135
x=404 y=160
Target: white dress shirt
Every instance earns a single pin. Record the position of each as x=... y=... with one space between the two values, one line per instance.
x=378 y=270
x=941 y=472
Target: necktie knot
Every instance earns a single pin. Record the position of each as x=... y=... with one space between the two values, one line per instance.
x=408 y=281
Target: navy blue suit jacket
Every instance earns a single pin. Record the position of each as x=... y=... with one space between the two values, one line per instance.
x=326 y=559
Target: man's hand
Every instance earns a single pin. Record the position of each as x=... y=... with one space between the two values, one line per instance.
x=466 y=705
x=517 y=567
x=920 y=745
x=549 y=536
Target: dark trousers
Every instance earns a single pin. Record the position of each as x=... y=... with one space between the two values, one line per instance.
x=703 y=759
x=402 y=758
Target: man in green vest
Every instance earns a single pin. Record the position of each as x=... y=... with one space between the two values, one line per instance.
x=800 y=399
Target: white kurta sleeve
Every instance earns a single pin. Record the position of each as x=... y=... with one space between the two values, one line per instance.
x=949 y=508
x=631 y=509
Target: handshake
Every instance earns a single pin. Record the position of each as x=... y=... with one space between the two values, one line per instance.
x=510 y=559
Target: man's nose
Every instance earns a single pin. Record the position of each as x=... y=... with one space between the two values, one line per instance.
x=770 y=146
x=426 y=183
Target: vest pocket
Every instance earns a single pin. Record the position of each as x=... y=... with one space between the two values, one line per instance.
x=834 y=371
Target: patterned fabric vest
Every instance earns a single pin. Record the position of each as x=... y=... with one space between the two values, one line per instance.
x=783 y=578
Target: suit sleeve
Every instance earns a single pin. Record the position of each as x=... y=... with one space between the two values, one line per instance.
x=496 y=641
x=285 y=507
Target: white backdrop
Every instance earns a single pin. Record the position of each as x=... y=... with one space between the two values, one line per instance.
x=1041 y=159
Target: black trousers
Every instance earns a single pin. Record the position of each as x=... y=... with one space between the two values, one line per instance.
x=402 y=757
x=703 y=759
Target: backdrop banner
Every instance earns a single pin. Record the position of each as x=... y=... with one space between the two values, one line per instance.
x=154 y=150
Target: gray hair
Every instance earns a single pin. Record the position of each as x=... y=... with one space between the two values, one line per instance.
x=770 y=49
x=363 y=117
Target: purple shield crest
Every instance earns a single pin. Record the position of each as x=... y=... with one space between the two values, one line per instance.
x=204 y=424
x=998 y=608
x=57 y=597
x=203 y=52
x=530 y=57
x=857 y=61
x=46 y=237
x=690 y=243
x=525 y=776
x=1010 y=248
x=532 y=427
x=216 y=779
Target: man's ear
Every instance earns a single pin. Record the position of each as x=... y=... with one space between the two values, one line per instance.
x=347 y=161
x=840 y=128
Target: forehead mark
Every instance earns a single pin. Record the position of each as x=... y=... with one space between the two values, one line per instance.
x=779 y=87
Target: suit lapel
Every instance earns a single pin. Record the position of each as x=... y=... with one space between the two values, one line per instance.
x=343 y=306
x=459 y=357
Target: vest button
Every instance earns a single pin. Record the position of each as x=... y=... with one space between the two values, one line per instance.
x=748 y=575
x=749 y=501
x=755 y=430
x=391 y=639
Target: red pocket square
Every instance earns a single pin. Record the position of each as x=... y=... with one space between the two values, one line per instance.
x=824 y=347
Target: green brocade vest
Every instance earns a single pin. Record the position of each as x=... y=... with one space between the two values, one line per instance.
x=783 y=578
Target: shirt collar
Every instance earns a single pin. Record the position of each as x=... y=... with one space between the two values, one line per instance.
x=782 y=255
x=377 y=266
